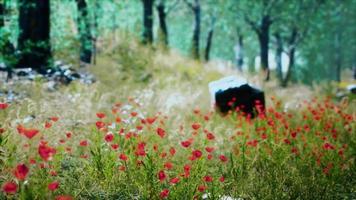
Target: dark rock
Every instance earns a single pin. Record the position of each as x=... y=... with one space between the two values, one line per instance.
x=231 y=94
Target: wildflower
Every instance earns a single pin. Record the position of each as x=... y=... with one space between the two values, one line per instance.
x=54 y=119
x=109 y=137
x=9 y=187
x=140 y=150
x=252 y=143
x=328 y=146
x=196 y=126
x=118 y=120
x=186 y=143
x=223 y=158
x=100 y=124
x=174 y=180
x=114 y=146
x=209 y=149
x=264 y=136
x=53 y=186
x=68 y=135
x=123 y=157
x=100 y=115
x=210 y=136
x=172 y=151
x=161 y=175
x=222 y=179
x=48 y=125
x=202 y=188
x=3 y=106
x=197 y=153
x=83 y=143
x=168 y=165
x=63 y=197
x=208 y=179
x=134 y=114
x=164 y=194
x=151 y=120
x=161 y=132
x=21 y=172
x=46 y=152
x=210 y=156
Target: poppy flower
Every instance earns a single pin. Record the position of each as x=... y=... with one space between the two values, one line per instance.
x=48 y=125
x=100 y=115
x=53 y=186
x=222 y=179
x=9 y=187
x=174 y=180
x=196 y=126
x=54 y=119
x=202 y=188
x=161 y=132
x=186 y=143
x=134 y=114
x=210 y=136
x=164 y=194
x=3 y=106
x=123 y=157
x=172 y=151
x=63 y=197
x=208 y=178
x=223 y=158
x=151 y=120
x=209 y=149
x=168 y=165
x=114 y=146
x=46 y=152
x=83 y=143
x=161 y=175
x=100 y=124
x=140 y=150
x=21 y=172
x=197 y=153
x=252 y=143
x=109 y=137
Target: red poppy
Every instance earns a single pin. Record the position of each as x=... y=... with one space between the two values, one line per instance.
x=21 y=172
x=100 y=124
x=209 y=149
x=328 y=146
x=222 y=179
x=223 y=158
x=168 y=165
x=140 y=150
x=197 y=153
x=134 y=114
x=174 y=180
x=161 y=132
x=252 y=143
x=123 y=157
x=150 y=120
x=208 y=179
x=164 y=194
x=48 y=125
x=114 y=146
x=210 y=136
x=202 y=188
x=100 y=115
x=54 y=119
x=46 y=152
x=172 y=151
x=186 y=143
x=9 y=187
x=63 y=197
x=53 y=186
x=83 y=143
x=196 y=126
x=3 y=106
x=161 y=175
x=109 y=137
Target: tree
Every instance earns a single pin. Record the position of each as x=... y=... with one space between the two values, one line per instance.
x=209 y=38
x=163 y=12
x=85 y=35
x=34 y=37
x=195 y=8
x=147 y=36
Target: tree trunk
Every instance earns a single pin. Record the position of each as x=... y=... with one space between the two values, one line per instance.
x=196 y=30
x=263 y=36
x=147 y=21
x=208 y=44
x=278 y=57
x=86 y=43
x=96 y=30
x=2 y=15
x=163 y=32
x=34 y=38
x=290 y=69
x=239 y=53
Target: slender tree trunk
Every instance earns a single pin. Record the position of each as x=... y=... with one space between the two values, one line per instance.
x=96 y=30
x=86 y=43
x=209 y=39
x=263 y=36
x=2 y=14
x=34 y=38
x=147 y=21
x=239 y=53
x=196 y=30
x=278 y=57
x=163 y=32
x=290 y=69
